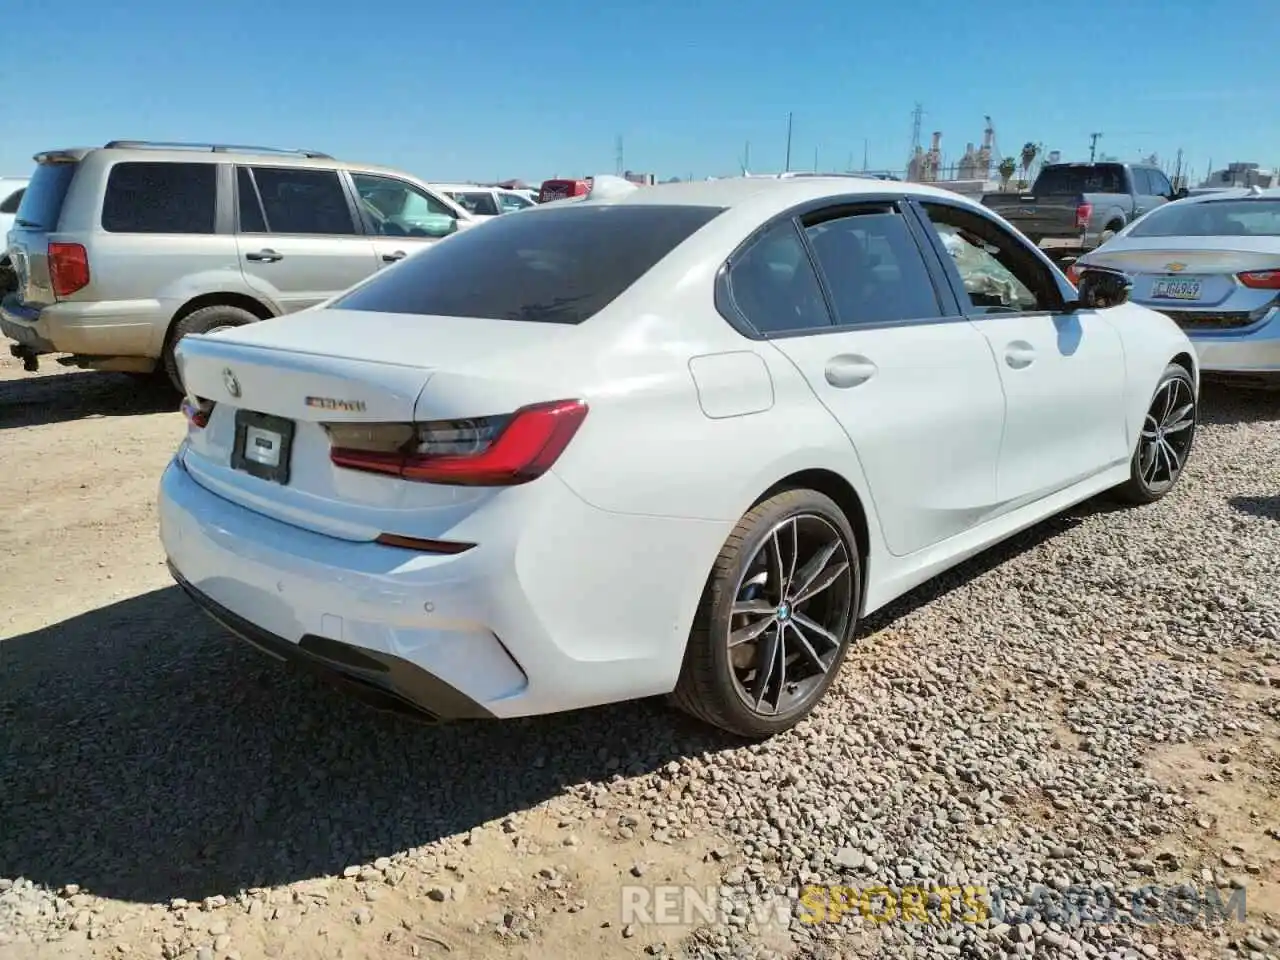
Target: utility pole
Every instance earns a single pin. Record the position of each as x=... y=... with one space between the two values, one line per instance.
x=1177 y=171
x=864 y=154
x=1093 y=146
x=917 y=117
x=788 y=142
x=746 y=158
x=618 y=158
x=815 y=159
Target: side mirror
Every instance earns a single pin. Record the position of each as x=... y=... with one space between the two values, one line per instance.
x=1180 y=194
x=1099 y=289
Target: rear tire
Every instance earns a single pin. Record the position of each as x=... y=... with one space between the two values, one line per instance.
x=1111 y=230
x=785 y=592
x=204 y=320
x=1165 y=441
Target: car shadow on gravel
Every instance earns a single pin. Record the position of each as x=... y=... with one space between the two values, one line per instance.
x=1268 y=508
x=39 y=400
x=147 y=755
x=1224 y=402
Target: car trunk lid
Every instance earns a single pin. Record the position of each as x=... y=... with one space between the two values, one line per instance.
x=1168 y=274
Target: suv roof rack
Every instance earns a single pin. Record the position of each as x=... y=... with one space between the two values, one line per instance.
x=210 y=147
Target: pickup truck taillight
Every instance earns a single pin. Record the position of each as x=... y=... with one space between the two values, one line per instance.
x=1084 y=213
x=68 y=268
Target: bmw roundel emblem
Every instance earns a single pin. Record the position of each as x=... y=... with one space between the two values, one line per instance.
x=230 y=382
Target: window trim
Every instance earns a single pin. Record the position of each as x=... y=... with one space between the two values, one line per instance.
x=947 y=266
x=219 y=222
x=923 y=234
x=357 y=221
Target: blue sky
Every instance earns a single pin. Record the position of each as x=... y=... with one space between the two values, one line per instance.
x=517 y=89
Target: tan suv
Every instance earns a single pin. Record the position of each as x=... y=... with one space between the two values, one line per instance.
x=121 y=250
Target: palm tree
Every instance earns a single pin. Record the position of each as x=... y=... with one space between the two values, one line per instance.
x=1008 y=166
x=1029 y=153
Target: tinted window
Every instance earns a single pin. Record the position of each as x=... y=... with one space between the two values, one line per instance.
x=247 y=203
x=42 y=203
x=873 y=268
x=999 y=272
x=1160 y=185
x=481 y=203
x=1141 y=182
x=10 y=203
x=1083 y=178
x=1212 y=218
x=513 y=201
x=297 y=200
x=550 y=266
x=393 y=208
x=161 y=198
x=774 y=286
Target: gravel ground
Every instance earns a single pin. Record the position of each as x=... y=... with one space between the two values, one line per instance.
x=1085 y=711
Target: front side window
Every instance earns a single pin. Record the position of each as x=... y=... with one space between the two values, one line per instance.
x=513 y=201
x=999 y=272
x=774 y=286
x=1141 y=182
x=297 y=200
x=873 y=267
x=150 y=197
x=557 y=265
x=394 y=208
x=1212 y=218
x=1160 y=185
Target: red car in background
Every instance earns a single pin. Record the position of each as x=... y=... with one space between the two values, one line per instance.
x=562 y=189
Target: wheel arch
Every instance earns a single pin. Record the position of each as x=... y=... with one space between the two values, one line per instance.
x=221 y=299
x=838 y=488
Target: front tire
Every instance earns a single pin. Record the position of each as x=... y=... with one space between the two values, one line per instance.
x=776 y=618
x=1165 y=441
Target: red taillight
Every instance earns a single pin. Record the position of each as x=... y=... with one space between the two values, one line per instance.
x=489 y=451
x=1084 y=213
x=1260 y=279
x=1073 y=273
x=197 y=411
x=68 y=268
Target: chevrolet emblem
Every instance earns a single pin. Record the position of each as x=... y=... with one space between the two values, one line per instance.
x=1175 y=267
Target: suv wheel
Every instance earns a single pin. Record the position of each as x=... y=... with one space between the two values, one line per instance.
x=204 y=320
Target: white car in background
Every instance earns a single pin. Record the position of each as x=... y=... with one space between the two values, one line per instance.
x=11 y=191
x=481 y=201
x=674 y=440
x=1212 y=264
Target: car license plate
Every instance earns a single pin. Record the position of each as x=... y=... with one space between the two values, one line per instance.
x=1175 y=288
x=262 y=446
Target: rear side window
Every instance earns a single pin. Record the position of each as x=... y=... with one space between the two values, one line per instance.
x=298 y=200
x=161 y=198
x=41 y=205
x=558 y=265
x=873 y=267
x=774 y=286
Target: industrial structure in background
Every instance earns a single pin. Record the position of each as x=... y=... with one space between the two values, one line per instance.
x=1240 y=174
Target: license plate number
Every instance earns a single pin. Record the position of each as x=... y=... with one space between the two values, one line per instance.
x=262 y=445
x=1176 y=289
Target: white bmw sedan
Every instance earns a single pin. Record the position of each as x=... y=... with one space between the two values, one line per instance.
x=1212 y=263
x=675 y=441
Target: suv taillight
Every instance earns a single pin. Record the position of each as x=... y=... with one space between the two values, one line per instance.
x=68 y=268
x=1084 y=213
x=485 y=451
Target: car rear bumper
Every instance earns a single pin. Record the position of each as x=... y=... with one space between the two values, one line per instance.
x=110 y=328
x=1251 y=350
x=570 y=607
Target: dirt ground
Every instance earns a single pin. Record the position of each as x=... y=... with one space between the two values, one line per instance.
x=81 y=454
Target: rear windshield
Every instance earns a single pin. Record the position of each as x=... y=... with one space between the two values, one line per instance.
x=553 y=266
x=42 y=203
x=1212 y=218
x=1093 y=178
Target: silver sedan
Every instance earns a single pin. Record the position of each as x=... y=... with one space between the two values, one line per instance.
x=1212 y=263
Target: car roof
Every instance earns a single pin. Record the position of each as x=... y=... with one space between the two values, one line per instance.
x=1234 y=193
x=262 y=156
x=461 y=186
x=767 y=196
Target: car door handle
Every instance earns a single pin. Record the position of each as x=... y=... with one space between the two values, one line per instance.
x=393 y=257
x=264 y=256
x=849 y=370
x=1019 y=354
